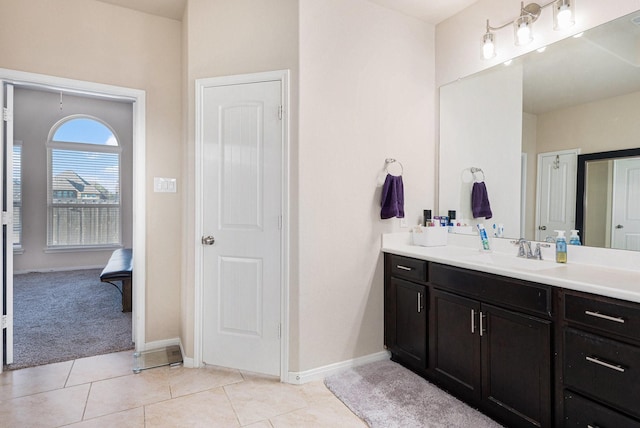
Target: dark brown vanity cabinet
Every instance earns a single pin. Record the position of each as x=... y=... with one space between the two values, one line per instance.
x=405 y=306
x=490 y=348
x=527 y=354
x=600 y=349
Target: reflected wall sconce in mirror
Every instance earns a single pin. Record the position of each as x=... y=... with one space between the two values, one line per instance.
x=563 y=17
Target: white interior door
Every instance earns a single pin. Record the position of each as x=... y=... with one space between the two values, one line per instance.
x=556 y=194
x=625 y=231
x=242 y=140
x=6 y=168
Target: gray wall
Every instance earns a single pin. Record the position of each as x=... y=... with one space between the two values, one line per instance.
x=35 y=113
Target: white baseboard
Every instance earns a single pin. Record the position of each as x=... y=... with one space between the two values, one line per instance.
x=186 y=361
x=320 y=373
x=57 y=269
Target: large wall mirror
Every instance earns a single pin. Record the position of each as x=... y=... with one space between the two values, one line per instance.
x=531 y=127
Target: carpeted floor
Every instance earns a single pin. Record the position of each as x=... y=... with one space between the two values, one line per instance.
x=386 y=395
x=60 y=316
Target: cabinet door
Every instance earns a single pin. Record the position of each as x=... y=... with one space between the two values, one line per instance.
x=407 y=332
x=455 y=344
x=516 y=367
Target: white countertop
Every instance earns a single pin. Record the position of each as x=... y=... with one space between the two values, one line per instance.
x=612 y=273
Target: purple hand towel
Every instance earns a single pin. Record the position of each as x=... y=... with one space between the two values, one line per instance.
x=392 y=197
x=480 y=201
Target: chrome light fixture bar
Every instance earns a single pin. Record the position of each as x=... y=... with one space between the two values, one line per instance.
x=563 y=17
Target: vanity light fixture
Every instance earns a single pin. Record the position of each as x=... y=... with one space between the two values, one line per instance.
x=488 y=44
x=563 y=17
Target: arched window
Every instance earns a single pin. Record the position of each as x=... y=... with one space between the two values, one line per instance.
x=84 y=184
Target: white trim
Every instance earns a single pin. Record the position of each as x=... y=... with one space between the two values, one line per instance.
x=283 y=77
x=298 y=378
x=138 y=96
x=64 y=269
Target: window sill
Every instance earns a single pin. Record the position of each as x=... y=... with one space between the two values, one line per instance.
x=83 y=249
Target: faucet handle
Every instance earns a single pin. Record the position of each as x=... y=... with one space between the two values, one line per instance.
x=538 y=252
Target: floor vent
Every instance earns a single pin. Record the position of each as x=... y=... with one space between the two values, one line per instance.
x=169 y=356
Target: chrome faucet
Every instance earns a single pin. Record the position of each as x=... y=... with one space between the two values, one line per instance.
x=524 y=249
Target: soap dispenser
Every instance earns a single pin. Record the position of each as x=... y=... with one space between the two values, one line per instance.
x=561 y=247
x=574 y=239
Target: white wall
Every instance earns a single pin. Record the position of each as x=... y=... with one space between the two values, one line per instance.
x=599 y=126
x=97 y=42
x=366 y=94
x=35 y=112
x=220 y=38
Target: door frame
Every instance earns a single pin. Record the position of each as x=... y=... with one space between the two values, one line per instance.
x=138 y=97
x=200 y=84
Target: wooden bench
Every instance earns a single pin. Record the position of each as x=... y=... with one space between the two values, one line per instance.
x=120 y=268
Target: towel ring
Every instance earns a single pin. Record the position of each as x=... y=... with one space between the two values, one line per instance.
x=389 y=161
x=475 y=170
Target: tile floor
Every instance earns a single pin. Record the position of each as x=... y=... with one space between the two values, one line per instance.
x=102 y=391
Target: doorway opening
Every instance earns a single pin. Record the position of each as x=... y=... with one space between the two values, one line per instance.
x=77 y=181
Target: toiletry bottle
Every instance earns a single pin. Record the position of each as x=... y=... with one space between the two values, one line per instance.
x=483 y=237
x=561 y=247
x=427 y=217
x=574 y=239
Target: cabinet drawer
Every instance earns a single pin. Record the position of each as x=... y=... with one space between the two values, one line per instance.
x=608 y=315
x=406 y=267
x=603 y=368
x=580 y=412
x=515 y=293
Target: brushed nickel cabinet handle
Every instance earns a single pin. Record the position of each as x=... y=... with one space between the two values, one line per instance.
x=605 y=364
x=481 y=326
x=403 y=267
x=473 y=321
x=419 y=302
x=605 y=317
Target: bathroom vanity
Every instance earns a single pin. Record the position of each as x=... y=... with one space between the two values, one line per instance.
x=529 y=344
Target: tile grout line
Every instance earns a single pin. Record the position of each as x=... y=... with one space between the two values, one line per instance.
x=86 y=402
x=66 y=381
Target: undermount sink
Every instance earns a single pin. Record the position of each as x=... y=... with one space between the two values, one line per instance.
x=512 y=262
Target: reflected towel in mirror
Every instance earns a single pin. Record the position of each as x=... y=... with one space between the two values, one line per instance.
x=480 y=201
x=392 y=197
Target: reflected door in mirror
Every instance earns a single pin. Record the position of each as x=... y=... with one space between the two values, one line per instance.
x=625 y=232
x=556 y=192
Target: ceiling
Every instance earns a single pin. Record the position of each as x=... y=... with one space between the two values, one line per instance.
x=172 y=9
x=603 y=63
x=431 y=11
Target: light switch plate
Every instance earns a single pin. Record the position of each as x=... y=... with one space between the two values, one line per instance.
x=165 y=185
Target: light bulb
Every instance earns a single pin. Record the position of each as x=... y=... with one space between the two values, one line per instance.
x=563 y=16
x=488 y=46
x=523 y=33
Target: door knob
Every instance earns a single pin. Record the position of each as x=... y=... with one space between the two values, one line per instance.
x=619 y=226
x=208 y=240
x=542 y=227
